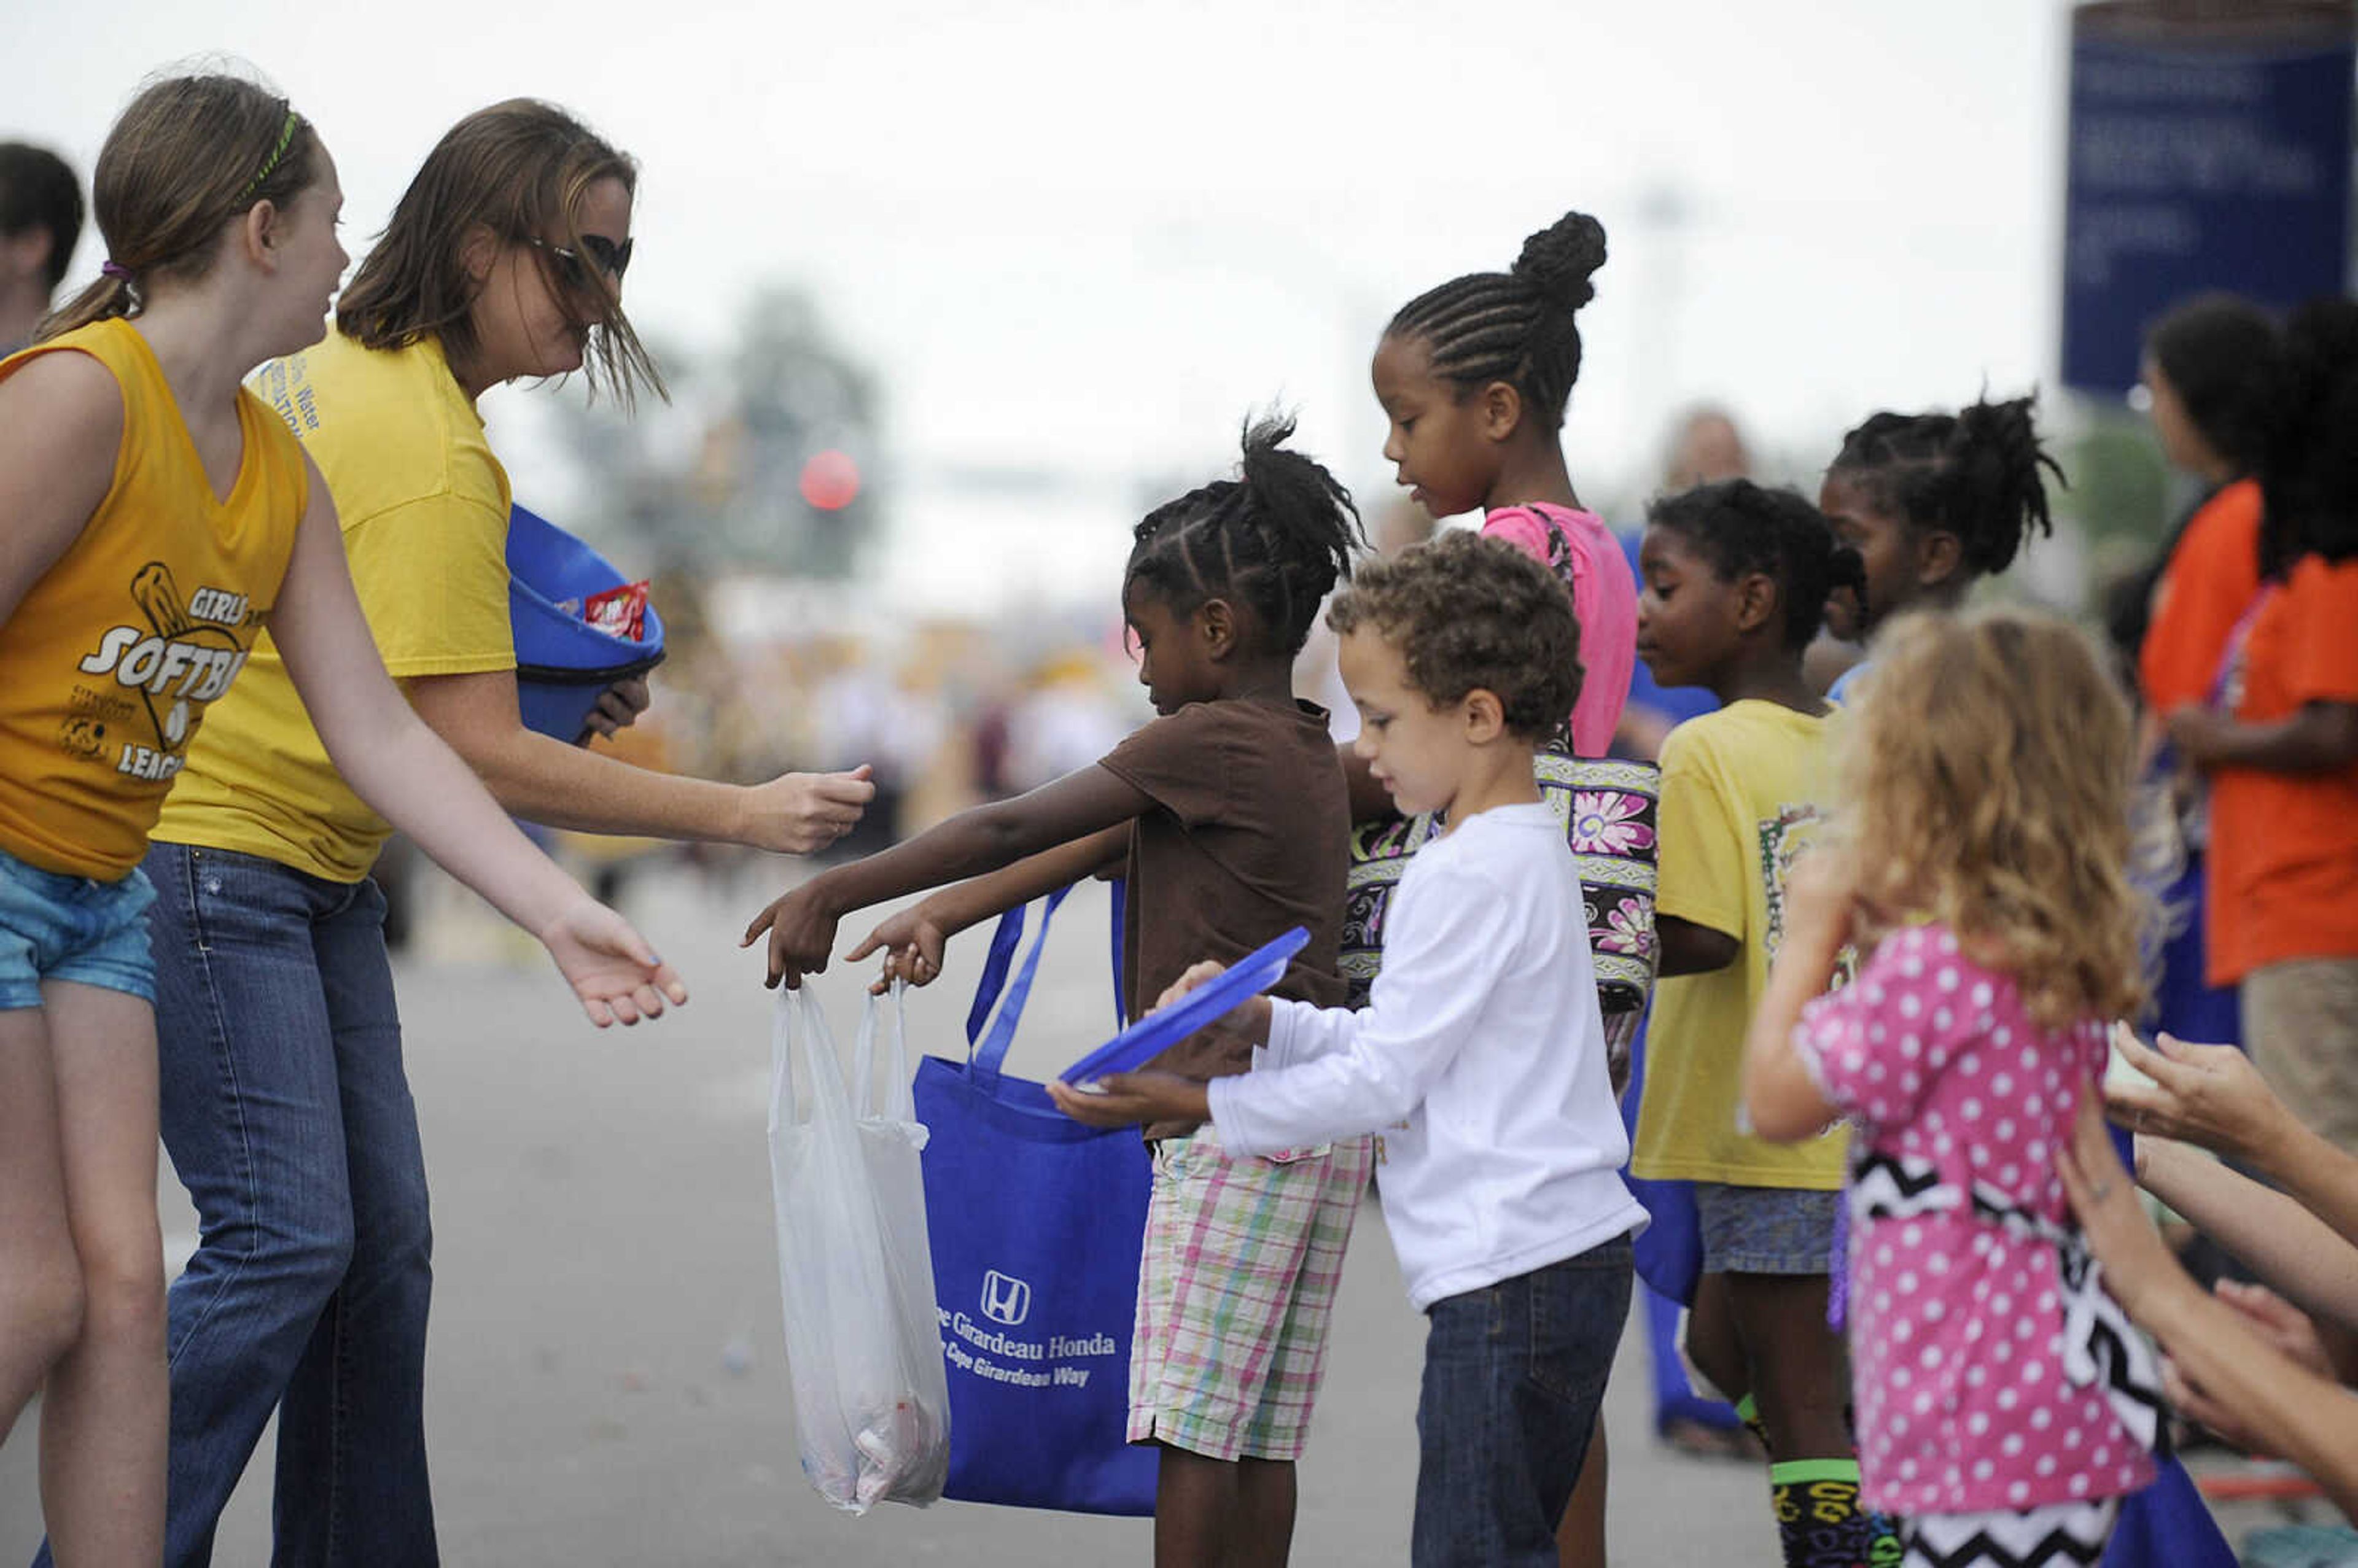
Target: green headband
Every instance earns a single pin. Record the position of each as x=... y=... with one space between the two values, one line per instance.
x=285 y=140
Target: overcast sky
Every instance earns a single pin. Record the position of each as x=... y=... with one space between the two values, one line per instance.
x=1084 y=237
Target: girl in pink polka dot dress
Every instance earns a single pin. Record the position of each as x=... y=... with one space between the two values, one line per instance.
x=2005 y=1406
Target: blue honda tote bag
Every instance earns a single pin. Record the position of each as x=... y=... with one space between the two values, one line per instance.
x=1036 y=1223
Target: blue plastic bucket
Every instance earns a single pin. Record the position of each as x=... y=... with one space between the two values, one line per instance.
x=563 y=663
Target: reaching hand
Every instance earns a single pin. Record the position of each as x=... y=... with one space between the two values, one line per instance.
x=799 y=813
x=913 y=942
x=2138 y=1263
x=2209 y=1095
x=1246 y=1023
x=2194 y=1402
x=1198 y=974
x=1125 y=1098
x=2281 y=1323
x=609 y=965
x=619 y=706
x=802 y=935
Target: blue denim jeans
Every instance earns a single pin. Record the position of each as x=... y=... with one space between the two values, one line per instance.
x=1514 y=1378
x=290 y=1121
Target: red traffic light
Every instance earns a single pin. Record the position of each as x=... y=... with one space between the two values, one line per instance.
x=830 y=480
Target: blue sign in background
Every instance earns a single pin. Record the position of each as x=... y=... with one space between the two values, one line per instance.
x=2209 y=163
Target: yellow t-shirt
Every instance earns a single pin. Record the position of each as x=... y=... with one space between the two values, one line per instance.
x=424 y=506
x=117 y=653
x=1739 y=788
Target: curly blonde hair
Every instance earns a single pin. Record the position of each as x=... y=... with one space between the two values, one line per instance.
x=1984 y=778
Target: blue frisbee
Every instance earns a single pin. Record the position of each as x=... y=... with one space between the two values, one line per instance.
x=1159 y=1031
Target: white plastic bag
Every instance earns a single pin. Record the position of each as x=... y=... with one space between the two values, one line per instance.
x=863 y=1342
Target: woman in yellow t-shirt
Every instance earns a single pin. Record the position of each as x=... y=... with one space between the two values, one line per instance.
x=1735 y=581
x=155 y=517
x=285 y=1106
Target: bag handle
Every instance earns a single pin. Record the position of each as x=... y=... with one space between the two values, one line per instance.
x=1120 y=886
x=985 y=1057
x=798 y=1017
x=900 y=1100
x=1004 y=939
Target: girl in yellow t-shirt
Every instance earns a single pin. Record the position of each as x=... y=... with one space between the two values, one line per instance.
x=156 y=516
x=1735 y=583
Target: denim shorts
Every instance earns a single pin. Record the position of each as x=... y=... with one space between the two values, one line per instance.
x=59 y=928
x=1766 y=1230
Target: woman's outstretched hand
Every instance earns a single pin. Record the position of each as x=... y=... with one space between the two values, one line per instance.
x=609 y=965
x=2138 y=1263
x=2209 y=1095
x=800 y=814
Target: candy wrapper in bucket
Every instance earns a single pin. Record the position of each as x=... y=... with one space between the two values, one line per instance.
x=619 y=612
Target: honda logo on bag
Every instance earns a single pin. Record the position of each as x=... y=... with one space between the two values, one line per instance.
x=1005 y=1298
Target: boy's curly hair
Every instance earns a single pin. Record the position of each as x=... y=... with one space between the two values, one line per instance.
x=1471 y=613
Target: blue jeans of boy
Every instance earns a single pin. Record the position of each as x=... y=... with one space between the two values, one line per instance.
x=1514 y=1377
x=290 y=1121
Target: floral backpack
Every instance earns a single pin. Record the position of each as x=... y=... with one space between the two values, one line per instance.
x=1607 y=809
x=1608 y=812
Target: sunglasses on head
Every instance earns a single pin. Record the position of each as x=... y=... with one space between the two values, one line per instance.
x=608 y=257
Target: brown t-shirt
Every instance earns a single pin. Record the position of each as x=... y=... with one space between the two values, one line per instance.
x=1249 y=836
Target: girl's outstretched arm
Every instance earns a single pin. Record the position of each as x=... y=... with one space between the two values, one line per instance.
x=912 y=939
x=802 y=924
x=402 y=769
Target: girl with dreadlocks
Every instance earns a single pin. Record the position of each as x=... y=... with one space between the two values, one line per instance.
x=1229 y=815
x=1934 y=503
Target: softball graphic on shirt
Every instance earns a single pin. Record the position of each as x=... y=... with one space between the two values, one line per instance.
x=153 y=679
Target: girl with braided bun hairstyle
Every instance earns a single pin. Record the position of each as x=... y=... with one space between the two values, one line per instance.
x=1475 y=376
x=1229 y=815
x=1934 y=503
x=157 y=516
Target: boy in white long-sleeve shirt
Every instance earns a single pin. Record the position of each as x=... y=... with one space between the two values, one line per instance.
x=1480 y=1056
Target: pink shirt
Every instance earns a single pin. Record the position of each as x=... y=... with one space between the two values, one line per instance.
x=1579 y=549
x=1957 y=1322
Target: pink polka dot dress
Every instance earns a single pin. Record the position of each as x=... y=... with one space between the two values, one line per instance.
x=1958 y=1299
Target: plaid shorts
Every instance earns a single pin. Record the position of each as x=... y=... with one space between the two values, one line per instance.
x=1235 y=1289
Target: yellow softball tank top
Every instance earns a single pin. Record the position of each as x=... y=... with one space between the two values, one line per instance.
x=114 y=655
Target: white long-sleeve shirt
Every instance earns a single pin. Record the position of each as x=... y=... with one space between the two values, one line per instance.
x=1480 y=1058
